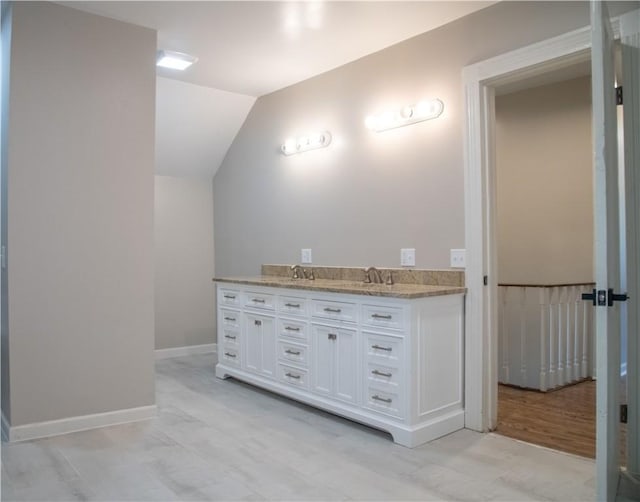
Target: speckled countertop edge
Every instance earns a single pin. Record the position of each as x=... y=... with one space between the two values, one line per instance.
x=407 y=291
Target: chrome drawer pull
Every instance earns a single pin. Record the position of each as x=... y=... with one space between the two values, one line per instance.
x=292 y=352
x=292 y=305
x=291 y=375
x=233 y=319
x=333 y=311
x=380 y=316
x=230 y=337
x=378 y=347
x=332 y=336
x=230 y=297
x=257 y=323
x=230 y=355
x=258 y=300
x=380 y=373
x=290 y=328
x=384 y=400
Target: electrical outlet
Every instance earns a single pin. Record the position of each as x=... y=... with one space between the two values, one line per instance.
x=458 y=258
x=305 y=256
x=408 y=257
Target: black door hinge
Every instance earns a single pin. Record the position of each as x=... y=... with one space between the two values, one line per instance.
x=619 y=95
x=485 y=280
x=623 y=413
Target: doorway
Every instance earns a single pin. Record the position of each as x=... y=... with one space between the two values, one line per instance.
x=544 y=246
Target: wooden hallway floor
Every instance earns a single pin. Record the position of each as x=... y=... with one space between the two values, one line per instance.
x=564 y=419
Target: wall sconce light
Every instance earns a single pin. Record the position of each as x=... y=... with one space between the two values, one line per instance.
x=411 y=114
x=306 y=143
x=174 y=60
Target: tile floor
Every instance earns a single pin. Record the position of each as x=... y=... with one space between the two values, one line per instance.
x=224 y=440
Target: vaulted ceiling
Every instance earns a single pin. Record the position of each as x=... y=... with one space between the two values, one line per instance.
x=253 y=48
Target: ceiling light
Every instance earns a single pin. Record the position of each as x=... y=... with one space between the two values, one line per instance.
x=406 y=115
x=174 y=60
x=307 y=142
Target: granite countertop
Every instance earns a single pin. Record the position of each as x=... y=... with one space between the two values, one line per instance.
x=398 y=290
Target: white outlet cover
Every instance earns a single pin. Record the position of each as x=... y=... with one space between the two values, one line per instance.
x=305 y=256
x=408 y=257
x=458 y=258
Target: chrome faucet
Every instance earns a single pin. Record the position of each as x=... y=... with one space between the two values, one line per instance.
x=308 y=274
x=377 y=278
x=298 y=272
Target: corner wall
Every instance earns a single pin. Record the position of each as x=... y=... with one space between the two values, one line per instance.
x=80 y=215
x=184 y=292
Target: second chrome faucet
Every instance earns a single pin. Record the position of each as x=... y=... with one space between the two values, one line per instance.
x=373 y=275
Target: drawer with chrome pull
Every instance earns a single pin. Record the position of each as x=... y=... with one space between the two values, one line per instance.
x=230 y=318
x=230 y=338
x=385 y=402
x=292 y=306
x=229 y=297
x=259 y=300
x=383 y=316
x=293 y=376
x=230 y=356
x=385 y=350
x=340 y=311
x=386 y=376
x=292 y=352
x=292 y=328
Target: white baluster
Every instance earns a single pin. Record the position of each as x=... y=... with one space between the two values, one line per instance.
x=523 y=335
x=544 y=323
x=553 y=338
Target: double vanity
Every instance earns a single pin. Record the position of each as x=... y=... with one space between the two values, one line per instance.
x=386 y=355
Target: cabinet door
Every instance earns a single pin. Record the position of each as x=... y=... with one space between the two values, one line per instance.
x=324 y=338
x=346 y=366
x=260 y=344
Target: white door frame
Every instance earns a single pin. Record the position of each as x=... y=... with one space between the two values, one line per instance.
x=480 y=81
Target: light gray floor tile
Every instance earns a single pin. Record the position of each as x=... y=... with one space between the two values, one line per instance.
x=225 y=440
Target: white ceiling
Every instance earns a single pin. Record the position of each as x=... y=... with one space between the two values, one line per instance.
x=247 y=49
x=255 y=48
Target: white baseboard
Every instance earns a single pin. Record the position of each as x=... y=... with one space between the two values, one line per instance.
x=188 y=350
x=76 y=424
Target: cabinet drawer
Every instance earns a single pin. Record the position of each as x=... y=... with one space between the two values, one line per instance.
x=230 y=338
x=383 y=401
x=293 y=329
x=292 y=352
x=293 y=376
x=340 y=311
x=385 y=350
x=259 y=300
x=230 y=318
x=383 y=316
x=292 y=306
x=384 y=376
x=229 y=297
x=230 y=356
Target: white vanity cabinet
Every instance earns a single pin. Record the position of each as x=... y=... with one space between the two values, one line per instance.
x=392 y=363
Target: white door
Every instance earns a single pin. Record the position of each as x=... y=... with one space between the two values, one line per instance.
x=607 y=254
x=346 y=367
x=323 y=359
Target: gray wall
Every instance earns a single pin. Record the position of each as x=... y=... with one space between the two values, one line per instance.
x=369 y=194
x=184 y=292
x=5 y=39
x=544 y=184
x=80 y=214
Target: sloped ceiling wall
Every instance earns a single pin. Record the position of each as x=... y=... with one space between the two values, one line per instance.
x=195 y=127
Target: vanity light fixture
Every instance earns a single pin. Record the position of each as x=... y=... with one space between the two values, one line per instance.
x=411 y=114
x=174 y=60
x=306 y=143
